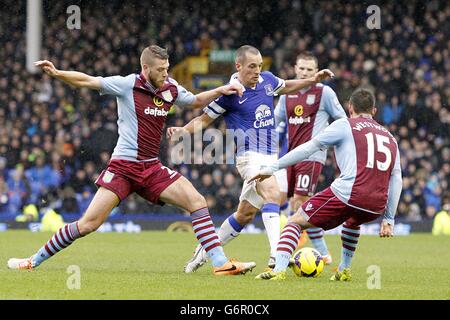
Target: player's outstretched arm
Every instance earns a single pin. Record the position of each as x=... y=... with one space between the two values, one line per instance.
x=395 y=190
x=74 y=78
x=297 y=84
x=196 y=124
x=205 y=98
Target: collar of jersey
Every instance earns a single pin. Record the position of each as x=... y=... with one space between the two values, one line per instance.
x=235 y=79
x=147 y=84
x=304 y=90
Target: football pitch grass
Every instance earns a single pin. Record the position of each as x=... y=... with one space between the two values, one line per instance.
x=149 y=266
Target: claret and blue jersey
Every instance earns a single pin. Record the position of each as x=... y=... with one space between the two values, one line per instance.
x=251 y=117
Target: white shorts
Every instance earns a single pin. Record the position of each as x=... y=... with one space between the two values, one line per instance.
x=281 y=176
x=248 y=166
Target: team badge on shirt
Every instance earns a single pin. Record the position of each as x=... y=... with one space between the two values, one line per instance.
x=108 y=176
x=269 y=89
x=167 y=95
x=310 y=99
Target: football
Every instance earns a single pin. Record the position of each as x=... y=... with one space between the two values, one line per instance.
x=307 y=262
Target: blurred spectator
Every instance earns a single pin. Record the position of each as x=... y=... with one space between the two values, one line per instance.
x=30 y=213
x=18 y=189
x=441 y=224
x=51 y=221
x=84 y=198
x=69 y=203
x=41 y=177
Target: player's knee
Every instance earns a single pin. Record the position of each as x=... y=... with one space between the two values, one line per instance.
x=298 y=219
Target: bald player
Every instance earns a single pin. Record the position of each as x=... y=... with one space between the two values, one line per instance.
x=251 y=119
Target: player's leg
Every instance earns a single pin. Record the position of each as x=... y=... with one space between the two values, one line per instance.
x=289 y=238
x=296 y=202
x=327 y=213
x=284 y=204
x=182 y=193
x=232 y=226
x=249 y=202
x=100 y=207
x=307 y=176
x=288 y=243
x=261 y=195
x=350 y=235
x=270 y=212
x=230 y=229
x=282 y=180
x=314 y=234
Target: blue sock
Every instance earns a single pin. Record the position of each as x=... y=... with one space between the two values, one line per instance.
x=217 y=256
x=316 y=237
x=349 y=237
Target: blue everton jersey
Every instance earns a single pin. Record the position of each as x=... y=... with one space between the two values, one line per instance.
x=283 y=139
x=251 y=117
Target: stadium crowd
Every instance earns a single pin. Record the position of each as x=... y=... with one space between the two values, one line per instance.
x=54 y=141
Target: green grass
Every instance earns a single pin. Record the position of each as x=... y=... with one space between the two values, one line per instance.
x=149 y=266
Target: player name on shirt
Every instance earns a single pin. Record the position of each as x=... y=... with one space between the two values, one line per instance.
x=361 y=125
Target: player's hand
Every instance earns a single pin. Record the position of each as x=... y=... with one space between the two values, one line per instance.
x=386 y=230
x=323 y=75
x=259 y=177
x=171 y=131
x=47 y=67
x=264 y=173
x=232 y=88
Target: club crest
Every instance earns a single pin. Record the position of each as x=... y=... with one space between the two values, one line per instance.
x=108 y=176
x=269 y=89
x=310 y=99
x=167 y=95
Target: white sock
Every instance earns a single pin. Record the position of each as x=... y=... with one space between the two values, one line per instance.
x=271 y=219
x=229 y=230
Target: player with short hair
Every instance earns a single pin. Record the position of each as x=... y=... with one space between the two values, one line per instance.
x=305 y=114
x=369 y=184
x=143 y=102
x=251 y=118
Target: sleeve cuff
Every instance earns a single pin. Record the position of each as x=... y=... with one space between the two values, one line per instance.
x=390 y=221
